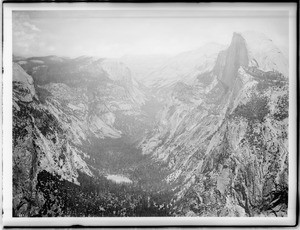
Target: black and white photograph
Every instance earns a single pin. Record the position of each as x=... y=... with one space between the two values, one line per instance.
x=132 y=111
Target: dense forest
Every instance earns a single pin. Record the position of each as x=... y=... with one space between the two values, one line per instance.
x=98 y=197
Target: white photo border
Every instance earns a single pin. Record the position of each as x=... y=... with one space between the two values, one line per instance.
x=8 y=220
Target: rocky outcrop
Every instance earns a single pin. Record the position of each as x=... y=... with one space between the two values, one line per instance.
x=236 y=56
x=23 y=84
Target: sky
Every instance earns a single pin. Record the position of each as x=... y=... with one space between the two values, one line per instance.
x=114 y=34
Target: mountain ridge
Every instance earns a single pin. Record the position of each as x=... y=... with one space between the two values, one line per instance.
x=214 y=135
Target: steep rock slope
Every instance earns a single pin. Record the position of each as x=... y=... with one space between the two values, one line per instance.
x=236 y=56
x=40 y=142
x=225 y=138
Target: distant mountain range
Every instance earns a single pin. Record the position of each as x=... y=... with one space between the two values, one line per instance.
x=203 y=133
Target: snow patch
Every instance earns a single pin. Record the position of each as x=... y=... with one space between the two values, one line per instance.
x=37 y=61
x=119 y=179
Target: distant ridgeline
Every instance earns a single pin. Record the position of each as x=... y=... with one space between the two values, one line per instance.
x=205 y=133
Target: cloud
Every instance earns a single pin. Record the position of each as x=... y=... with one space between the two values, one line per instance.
x=31 y=26
x=25 y=34
x=65 y=33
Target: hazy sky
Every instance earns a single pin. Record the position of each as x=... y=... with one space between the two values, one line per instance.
x=118 y=33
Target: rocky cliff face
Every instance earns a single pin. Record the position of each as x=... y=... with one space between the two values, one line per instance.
x=40 y=142
x=236 y=56
x=212 y=129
